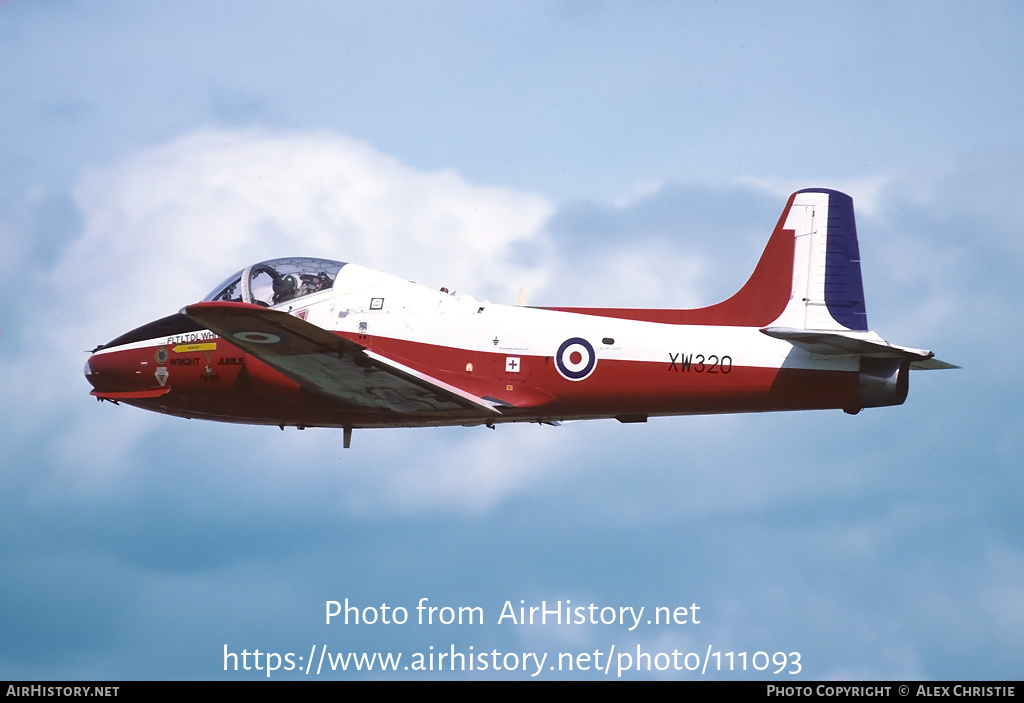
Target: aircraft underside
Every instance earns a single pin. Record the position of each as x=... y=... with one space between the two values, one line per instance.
x=234 y=388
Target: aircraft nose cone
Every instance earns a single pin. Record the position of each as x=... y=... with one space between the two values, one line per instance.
x=89 y=375
x=115 y=372
x=127 y=373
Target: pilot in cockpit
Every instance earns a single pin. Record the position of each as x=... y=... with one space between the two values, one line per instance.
x=284 y=288
x=277 y=281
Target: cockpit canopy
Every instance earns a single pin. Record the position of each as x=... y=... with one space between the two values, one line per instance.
x=277 y=281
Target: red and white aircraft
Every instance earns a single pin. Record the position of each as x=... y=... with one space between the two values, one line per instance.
x=310 y=342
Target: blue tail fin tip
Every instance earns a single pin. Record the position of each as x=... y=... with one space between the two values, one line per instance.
x=844 y=287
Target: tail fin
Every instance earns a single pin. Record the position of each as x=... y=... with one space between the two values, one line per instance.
x=826 y=313
x=808 y=277
x=827 y=292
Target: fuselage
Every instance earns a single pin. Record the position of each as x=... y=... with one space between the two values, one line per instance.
x=315 y=342
x=524 y=357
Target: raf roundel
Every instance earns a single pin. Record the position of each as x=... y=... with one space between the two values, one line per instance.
x=575 y=359
x=257 y=337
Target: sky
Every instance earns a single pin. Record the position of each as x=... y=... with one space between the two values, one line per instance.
x=592 y=153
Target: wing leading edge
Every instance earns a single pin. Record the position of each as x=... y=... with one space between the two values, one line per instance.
x=330 y=365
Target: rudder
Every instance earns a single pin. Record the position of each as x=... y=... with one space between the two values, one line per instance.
x=827 y=290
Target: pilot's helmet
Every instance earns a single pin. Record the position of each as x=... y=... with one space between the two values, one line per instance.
x=284 y=285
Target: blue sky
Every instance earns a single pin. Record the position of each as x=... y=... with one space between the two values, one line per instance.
x=602 y=153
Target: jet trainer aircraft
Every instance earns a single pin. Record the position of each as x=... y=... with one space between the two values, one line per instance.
x=310 y=342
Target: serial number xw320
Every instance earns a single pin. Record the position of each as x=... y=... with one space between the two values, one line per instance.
x=698 y=363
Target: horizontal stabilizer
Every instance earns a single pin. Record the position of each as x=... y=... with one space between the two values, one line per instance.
x=831 y=343
x=932 y=364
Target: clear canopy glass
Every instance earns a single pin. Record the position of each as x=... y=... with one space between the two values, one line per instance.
x=277 y=281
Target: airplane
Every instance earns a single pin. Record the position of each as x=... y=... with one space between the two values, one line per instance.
x=308 y=342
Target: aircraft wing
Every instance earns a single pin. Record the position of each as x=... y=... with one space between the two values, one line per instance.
x=832 y=343
x=329 y=365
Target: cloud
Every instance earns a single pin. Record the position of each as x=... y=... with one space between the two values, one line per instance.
x=189 y=212
x=674 y=245
x=419 y=471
